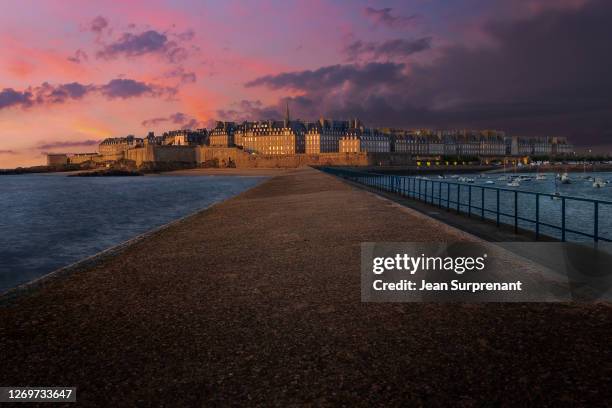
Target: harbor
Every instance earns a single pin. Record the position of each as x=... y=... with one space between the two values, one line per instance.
x=256 y=300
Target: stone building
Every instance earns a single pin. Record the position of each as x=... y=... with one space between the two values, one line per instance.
x=116 y=146
x=222 y=135
x=184 y=137
x=538 y=146
x=274 y=137
x=63 y=159
x=324 y=136
x=57 y=159
x=358 y=140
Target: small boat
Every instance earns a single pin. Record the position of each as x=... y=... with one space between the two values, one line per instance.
x=514 y=183
x=565 y=179
x=489 y=182
x=598 y=183
x=541 y=177
x=440 y=176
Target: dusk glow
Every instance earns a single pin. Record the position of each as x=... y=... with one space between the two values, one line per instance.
x=72 y=74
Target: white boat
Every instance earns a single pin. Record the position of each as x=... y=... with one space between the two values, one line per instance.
x=541 y=177
x=565 y=179
x=598 y=183
x=514 y=183
x=489 y=182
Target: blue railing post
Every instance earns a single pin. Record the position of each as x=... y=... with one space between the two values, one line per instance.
x=458 y=197
x=482 y=203
x=470 y=200
x=563 y=219
x=439 y=194
x=497 y=212
x=537 y=224
x=596 y=222
x=448 y=196
x=515 y=211
x=420 y=193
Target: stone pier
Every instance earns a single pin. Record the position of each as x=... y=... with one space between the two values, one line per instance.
x=257 y=301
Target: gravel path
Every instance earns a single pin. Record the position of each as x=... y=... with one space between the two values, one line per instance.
x=257 y=301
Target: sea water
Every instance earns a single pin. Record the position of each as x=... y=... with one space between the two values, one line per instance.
x=48 y=221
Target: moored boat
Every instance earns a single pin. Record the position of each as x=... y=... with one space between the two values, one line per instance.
x=598 y=183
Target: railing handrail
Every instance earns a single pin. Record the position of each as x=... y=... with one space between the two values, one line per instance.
x=406 y=185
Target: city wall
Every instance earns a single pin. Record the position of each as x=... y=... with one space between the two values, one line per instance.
x=235 y=157
x=226 y=156
x=162 y=154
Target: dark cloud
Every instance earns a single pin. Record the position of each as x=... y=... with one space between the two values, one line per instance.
x=98 y=25
x=184 y=77
x=364 y=76
x=10 y=97
x=249 y=110
x=79 y=143
x=79 y=56
x=390 y=49
x=548 y=74
x=48 y=94
x=147 y=42
x=179 y=119
x=129 y=88
x=8 y=152
x=386 y=18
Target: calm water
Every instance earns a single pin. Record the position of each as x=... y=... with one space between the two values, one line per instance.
x=580 y=215
x=49 y=221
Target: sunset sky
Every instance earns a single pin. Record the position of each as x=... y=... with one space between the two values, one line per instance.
x=72 y=73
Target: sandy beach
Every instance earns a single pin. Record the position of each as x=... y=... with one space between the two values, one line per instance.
x=257 y=301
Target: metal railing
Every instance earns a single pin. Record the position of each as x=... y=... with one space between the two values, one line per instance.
x=546 y=215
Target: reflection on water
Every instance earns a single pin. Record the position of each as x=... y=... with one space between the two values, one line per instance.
x=49 y=221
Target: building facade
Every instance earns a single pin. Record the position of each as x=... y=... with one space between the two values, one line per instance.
x=222 y=135
x=364 y=140
x=114 y=146
x=324 y=136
